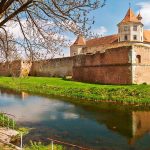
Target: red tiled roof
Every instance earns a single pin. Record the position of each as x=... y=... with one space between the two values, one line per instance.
x=146 y=35
x=80 y=41
x=130 y=17
x=102 y=41
x=112 y=39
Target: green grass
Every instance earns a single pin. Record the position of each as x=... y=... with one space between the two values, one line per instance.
x=5 y=121
x=77 y=90
x=40 y=146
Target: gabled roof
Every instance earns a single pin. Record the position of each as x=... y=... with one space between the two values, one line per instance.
x=112 y=39
x=80 y=41
x=102 y=41
x=130 y=17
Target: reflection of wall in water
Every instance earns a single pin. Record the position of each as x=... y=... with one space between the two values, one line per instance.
x=140 y=124
x=124 y=120
x=22 y=95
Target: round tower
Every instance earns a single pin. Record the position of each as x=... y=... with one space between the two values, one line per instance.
x=130 y=28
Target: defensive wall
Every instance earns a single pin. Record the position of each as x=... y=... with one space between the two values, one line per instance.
x=110 y=67
x=141 y=64
x=58 y=67
x=127 y=64
x=16 y=68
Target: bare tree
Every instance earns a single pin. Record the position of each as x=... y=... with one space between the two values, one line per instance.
x=43 y=23
x=8 y=50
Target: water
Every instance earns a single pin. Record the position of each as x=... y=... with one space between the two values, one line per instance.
x=104 y=125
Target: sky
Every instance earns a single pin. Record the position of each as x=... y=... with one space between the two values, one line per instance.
x=107 y=17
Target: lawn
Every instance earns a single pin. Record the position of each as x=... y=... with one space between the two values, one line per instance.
x=77 y=90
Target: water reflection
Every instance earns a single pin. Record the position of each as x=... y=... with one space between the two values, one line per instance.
x=100 y=126
x=140 y=125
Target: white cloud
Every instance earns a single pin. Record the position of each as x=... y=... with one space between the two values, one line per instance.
x=145 y=12
x=100 y=31
x=14 y=29
x=70 y=115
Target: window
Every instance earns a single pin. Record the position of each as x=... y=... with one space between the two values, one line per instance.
x=126 y=28
x=125 y=37
x=74 y=54
x=134 y=28
x=138 y=59
x=134 y=37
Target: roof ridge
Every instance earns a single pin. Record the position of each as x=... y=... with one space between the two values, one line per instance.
x=103 y=37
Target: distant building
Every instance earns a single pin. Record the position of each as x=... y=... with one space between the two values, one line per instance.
x=130 y=30
x=123 y=58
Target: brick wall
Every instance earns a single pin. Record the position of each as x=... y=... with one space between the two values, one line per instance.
x=58 y=67
x=119 y=65
x=10 y=69
x=111 y=67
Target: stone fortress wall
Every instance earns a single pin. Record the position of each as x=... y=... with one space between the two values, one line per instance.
x=141 y=64
x=59 y=67
x=127 y=64
x=110 y=67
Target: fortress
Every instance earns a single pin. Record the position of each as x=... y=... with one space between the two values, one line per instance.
x=123 y=58
x=130 y=31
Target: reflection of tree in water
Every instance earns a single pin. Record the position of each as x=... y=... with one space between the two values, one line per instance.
x=131 y=122
x=21 y=95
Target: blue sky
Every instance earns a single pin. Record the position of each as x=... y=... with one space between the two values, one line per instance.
x=114 y=11
x=107 y=17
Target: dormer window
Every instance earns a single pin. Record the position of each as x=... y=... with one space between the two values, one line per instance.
x=135 y=28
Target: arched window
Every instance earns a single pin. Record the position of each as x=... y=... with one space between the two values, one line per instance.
x=138 y=59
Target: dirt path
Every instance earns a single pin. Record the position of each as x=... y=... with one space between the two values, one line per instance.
x=6 y=147
x=5 y=138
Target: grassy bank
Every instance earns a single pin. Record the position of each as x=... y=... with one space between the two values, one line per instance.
x=78 y=90
x=40 y=146
x=5 y=121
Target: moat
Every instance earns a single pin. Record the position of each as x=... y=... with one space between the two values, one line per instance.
x=105 y=125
